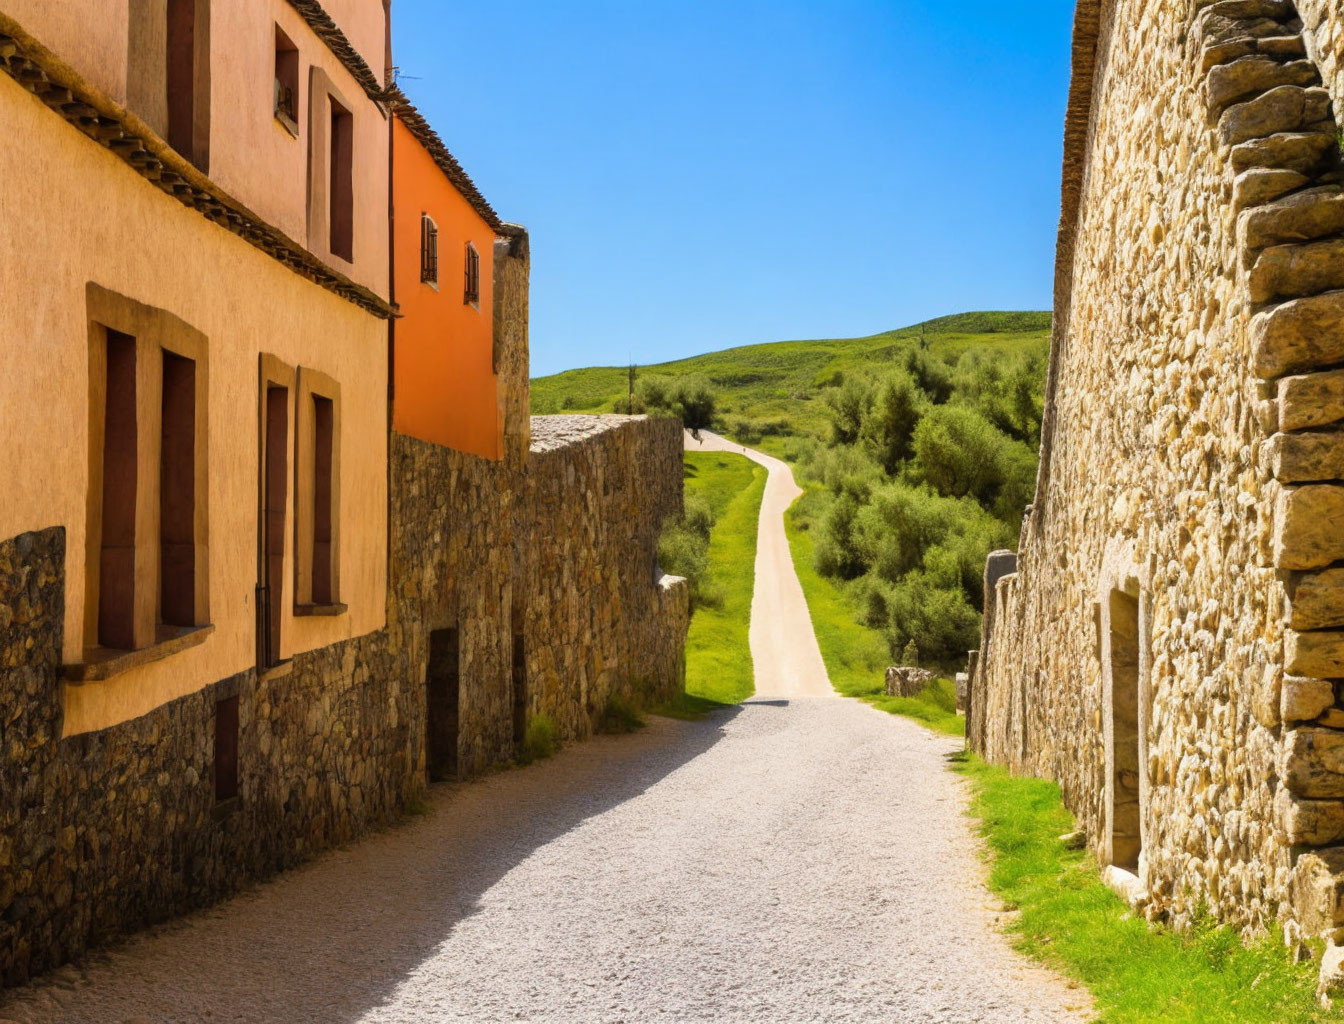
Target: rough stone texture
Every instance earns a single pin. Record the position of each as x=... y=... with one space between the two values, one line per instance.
x=1166 y=448
x=906 y=680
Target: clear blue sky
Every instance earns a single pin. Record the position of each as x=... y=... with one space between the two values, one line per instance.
x=709 y=173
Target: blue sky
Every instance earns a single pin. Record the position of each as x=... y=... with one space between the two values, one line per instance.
x=709 y=173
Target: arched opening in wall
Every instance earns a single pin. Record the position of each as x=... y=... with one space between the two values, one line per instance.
x=1124 y=813
x=443 y=699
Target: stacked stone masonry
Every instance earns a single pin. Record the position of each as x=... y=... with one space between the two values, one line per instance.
x=118 y=829
x=1170 y=641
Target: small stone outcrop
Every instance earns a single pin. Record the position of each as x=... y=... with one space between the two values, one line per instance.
x=907 y=680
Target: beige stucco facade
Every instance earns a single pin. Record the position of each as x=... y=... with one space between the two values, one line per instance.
x=80 y=214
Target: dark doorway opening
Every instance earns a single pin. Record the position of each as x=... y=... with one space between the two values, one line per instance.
x=443 y=686
x=1123 y=790
x=519 y=688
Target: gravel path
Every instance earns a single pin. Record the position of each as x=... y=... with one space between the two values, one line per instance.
x=790 y=860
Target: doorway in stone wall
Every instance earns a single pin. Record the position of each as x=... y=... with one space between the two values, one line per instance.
x=1123 y=839
x=519 y=688
x=443 y=700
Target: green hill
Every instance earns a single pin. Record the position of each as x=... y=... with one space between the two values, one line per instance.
x=779 y=389
x=917 y=450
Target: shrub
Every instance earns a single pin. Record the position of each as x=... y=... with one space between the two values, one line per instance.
x=892 y=415
x=847 y=407
x=698 y=515
x=619 y=717
x=910 y=656
x=540 y=741
x=959 y=453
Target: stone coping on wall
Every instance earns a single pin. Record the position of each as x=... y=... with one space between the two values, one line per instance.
x=551 y=433
x=87 y=108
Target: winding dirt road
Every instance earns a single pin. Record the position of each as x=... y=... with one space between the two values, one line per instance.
x=784 y=652
x=788 y=860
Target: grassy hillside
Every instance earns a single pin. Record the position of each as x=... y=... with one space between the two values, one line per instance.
x=767 y=392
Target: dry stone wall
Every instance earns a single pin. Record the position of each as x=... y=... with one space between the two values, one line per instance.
x=1166 y=647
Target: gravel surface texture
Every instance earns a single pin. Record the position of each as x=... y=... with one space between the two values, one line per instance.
x=799 y=858
x=807 y=861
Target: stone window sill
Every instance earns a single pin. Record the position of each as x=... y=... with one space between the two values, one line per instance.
x=106 y=662
x=276 y=671
x=320 y=609
x=287 y=123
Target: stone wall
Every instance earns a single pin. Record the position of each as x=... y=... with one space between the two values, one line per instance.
x=1164 y=642
x=113 y=830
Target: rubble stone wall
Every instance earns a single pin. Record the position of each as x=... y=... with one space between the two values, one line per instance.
x=113 y=830
x=1173 y=590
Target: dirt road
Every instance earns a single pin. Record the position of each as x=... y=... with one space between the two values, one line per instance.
x=784 y=652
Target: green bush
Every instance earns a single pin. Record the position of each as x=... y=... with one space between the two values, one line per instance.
x=540 y=741
x=890 y=420
x=619 y=717
x=698 y=515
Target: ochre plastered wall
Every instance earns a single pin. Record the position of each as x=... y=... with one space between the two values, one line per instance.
x=252 y=156
x=447 y=388
x=87 y=216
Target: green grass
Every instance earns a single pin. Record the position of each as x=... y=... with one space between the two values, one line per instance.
x=1139 y=974
x=778 y=390
x=856 y=656
x=718 y=657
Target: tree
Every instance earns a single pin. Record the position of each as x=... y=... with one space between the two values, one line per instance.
x=694 y=402
x=890 y=420
x=848 y=404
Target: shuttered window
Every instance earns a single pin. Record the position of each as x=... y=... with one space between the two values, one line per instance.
x=472 y=289
x=429 y=250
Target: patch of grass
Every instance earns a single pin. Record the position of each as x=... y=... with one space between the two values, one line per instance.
x=718 y=657
x=619 y=717
x=856 y=656
x=1067 y=918
x=688 y=708
x=542 y=740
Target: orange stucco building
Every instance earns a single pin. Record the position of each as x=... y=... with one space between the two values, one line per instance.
x=445 y=368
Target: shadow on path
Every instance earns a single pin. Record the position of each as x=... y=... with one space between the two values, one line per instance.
x=333 y=939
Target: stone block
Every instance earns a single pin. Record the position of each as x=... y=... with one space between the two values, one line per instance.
x=1317 y=889
x=1301 y=334
x=1308 y=822
x=1264 y=185
x=1316 y=653
x=907 y=680
x=1302 y=458
x=1317 y=600
x=1237 y=10
x=1310 y=400
x=1312 y=762
x=1304 y=699
x=1287 y=108
x=1291 y=271
x=1251 y=75
x=1300 y=217
x=1298 y=151
x=1309 y=527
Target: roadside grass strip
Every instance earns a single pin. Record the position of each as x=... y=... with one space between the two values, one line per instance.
x=1138 y=973
x=718 y=652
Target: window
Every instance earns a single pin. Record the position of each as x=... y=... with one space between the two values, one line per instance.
x=317 y=510
x=286 y=82
x=429 y=250
x=146 y=566
x=342 y=185
x=276 y=387
x=116 y=604
x=177 y=492
x=187 y=79
x=472 y=288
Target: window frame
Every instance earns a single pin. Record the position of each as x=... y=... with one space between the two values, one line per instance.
x=286 y=78
x=313 y=383
x=471 y=277
x=429 y=251
x=154 y=332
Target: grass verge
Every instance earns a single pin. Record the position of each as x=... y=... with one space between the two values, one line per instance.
x=1139 y=974
x=718 y=655
x=856 y=656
